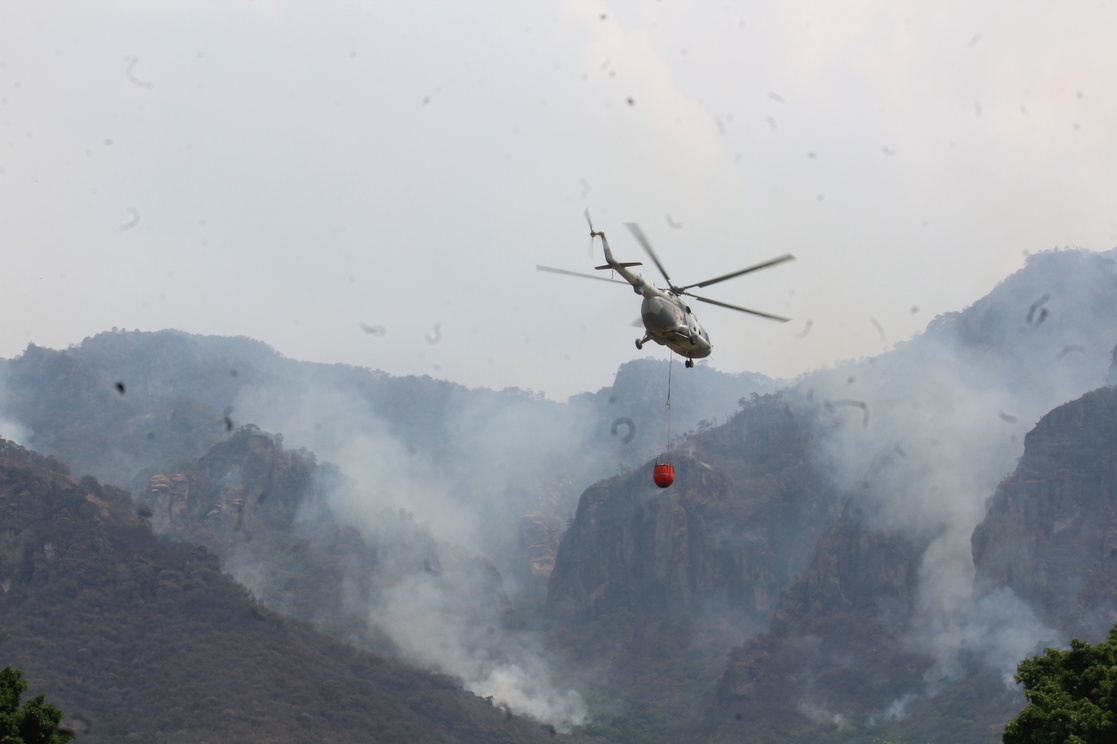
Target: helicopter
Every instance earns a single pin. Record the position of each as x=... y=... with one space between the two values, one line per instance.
x=667 y=318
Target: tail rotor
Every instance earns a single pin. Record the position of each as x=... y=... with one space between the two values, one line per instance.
x=593 y=233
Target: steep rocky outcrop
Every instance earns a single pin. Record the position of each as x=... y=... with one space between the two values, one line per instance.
x=651 y=587
x=247 y=478
x=738 y=523
x=835 y=651
x=1050 y=534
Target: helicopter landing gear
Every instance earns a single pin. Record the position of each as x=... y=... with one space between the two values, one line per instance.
x=689 y=363
x=641 y=341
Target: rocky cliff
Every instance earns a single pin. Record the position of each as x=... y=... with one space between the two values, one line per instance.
x=835 y=653
x=1050 y=535
x=738 y=523
x=241 y=480
x=652 y=587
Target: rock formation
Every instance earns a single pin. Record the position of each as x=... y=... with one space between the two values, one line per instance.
x=734 y=529
x=1050 y=534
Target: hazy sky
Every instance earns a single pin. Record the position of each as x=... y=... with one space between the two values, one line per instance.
x=293 y=171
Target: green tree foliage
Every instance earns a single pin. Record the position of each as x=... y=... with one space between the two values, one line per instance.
x=35 y=723
x=1072 y=696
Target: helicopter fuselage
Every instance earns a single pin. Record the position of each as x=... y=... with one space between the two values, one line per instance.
x=670 y=322
x=667 y=319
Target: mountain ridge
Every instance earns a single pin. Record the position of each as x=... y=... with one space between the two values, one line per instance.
x=825 y=567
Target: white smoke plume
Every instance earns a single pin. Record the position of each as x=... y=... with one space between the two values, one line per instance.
x=923 y=434
x=12 y=431
x=428 y=624
x=440 y=616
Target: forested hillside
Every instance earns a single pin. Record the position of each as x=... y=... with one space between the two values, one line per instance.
x=140 y=638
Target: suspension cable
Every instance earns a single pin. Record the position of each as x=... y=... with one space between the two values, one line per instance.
x=667 y=412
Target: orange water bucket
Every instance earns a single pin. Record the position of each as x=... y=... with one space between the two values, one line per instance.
x=663 y=474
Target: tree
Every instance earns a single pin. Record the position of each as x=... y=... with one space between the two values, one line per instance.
x=1072 y=696
x=35 y=723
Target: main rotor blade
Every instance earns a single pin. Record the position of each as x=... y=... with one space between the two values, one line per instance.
x=766 y=264
x=741 y=309
x=553 y=270
x=643 y=241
